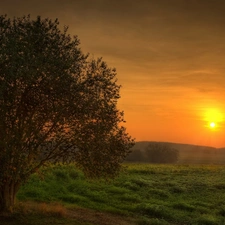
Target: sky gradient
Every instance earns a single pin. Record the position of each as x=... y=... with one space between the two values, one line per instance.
x=169 y=56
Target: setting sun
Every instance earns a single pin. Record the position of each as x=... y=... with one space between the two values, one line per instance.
x=213 y=117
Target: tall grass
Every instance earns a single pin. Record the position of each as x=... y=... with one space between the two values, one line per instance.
x=154 y=194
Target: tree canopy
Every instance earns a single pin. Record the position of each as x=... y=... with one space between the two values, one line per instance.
x=56 y=105
x=161 y=153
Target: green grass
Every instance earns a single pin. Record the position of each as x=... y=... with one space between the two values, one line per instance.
x=153 y=194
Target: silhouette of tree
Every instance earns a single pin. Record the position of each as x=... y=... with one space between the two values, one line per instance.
x=56 y=105
x=136 y=156
x=161 y=153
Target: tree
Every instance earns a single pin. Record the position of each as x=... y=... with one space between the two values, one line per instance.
x=56 y=105
x=136 y=156
x=161 y=153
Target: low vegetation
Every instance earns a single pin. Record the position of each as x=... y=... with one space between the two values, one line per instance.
x=154 y=152
x=144 y=194
x=165 y=152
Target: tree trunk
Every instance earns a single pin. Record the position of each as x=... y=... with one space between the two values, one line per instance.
x=8 y=192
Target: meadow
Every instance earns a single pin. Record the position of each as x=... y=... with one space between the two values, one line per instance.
x=143 y=194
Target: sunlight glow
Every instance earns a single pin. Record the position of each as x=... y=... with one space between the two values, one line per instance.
x=213 y=117
x=212 y=124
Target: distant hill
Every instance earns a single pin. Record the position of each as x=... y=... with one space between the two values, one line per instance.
x=188 y=154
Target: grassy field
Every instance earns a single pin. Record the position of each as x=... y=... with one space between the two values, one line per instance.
x=144 y=194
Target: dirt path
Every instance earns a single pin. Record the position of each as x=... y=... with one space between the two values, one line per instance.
x=48 y=214
x=99 y=218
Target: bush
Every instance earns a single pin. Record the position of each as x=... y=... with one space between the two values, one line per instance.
x=161 y=153
x=136 y=156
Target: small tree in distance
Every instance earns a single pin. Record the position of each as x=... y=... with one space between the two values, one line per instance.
x=56 y=105
x=161 y=153
x=136 y=156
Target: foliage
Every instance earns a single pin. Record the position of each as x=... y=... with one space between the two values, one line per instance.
x=153 y=152
x=136 y=156
x=56 y=105
x=161 y=153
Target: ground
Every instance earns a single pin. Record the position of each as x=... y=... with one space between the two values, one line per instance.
x=41 y=214
x=98 y=218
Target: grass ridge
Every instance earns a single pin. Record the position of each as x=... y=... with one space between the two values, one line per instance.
x=153 y=194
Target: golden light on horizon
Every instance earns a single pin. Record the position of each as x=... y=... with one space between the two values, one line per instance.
x=212 y=125
x=213 y=118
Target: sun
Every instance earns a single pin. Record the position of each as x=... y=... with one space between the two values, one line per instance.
x=212 y=125
x=213 y=117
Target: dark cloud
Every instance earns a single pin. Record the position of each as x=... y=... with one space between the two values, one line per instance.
x=151 y=35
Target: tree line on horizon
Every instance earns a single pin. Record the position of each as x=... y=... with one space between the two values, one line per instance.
x=154 y=152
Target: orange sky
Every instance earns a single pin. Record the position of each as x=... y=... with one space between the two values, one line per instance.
x=169 y=56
